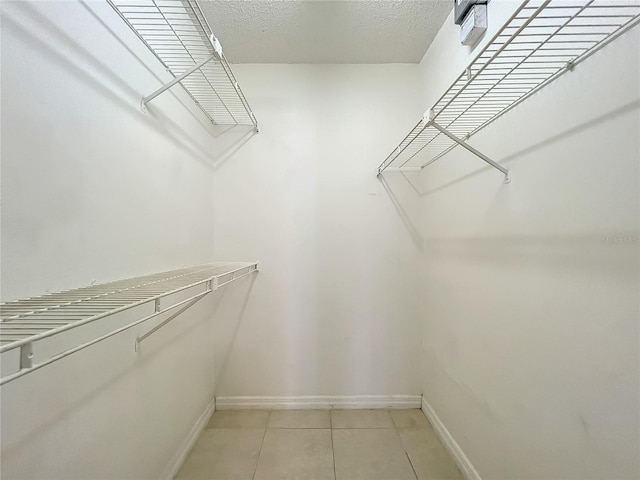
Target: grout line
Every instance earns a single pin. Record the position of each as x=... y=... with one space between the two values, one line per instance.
x=393 y=422
x=397 y=430
x=266 y=427
x=299 y=428
x=406 y=453
x=333 y=449
x=364 y=428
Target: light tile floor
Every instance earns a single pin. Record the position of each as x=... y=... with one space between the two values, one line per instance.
x=318 y=445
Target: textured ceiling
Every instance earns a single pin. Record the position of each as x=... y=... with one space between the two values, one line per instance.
x=325 y=31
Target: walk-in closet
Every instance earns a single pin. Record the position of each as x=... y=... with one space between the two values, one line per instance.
x=320 y=239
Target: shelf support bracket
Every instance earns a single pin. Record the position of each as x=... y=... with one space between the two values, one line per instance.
x=482 y=156
x=189 y=303
x=173 y=82
x=26 y=356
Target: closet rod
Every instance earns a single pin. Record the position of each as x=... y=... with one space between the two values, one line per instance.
x=25 y=322
x=178 y=35
x=541 y=41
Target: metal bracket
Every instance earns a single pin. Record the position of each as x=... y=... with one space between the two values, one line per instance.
x=477 y=153
x=428 y=117
x=26 y=356
x=215 y=43
x=178 y=79
x=403 y=169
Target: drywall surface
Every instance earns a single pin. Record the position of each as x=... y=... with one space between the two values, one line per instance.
x=335 y=309
x=531 y=290
x=108 y=411
x=85 y=174
x=94 y=189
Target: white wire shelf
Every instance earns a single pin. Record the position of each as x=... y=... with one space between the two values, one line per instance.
x=541 y=41
x=24 y=322
x=179 y=36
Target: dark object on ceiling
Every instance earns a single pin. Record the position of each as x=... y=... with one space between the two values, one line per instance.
x=462 y=7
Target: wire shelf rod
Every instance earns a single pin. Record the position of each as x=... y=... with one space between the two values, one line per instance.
x=23 y=332
x=66 y=353
x=49 y=303
x=180 y=38
x=541 y=41
x=133 y=303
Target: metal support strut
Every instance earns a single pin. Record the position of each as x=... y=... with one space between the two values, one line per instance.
x=462 y=143
x=176 y=80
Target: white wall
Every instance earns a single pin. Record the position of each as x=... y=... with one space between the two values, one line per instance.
x=531 y=290
x=92 y=188
x=335 y=310
x=85 y=173
x=530 y=350
x=85 y=177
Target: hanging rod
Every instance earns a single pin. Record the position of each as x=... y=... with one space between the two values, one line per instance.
x=541 y=41
x=24 y=322
x=178 y=34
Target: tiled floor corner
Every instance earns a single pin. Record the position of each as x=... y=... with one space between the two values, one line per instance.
x=319 y=445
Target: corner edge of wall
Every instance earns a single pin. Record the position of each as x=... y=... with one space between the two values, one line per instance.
x=181 y=455
x=456 y=452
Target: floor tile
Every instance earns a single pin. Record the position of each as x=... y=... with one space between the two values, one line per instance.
x=300 y=454
x=429 y=457
x=370 y=454
x=361 y=419
x=409 y=418
x=229 y=454
x=239 y=419
x=299 y=419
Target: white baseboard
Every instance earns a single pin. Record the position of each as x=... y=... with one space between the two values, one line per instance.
x=319 y=402
x=456 y=452
x=181 y=455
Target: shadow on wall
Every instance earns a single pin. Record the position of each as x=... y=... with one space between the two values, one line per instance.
x=408 y=222
x=57 y=46
x=122 y=370
x=414 y=233
x=227 y=325
x=570 y=253
x=530 y=149
x=90 y=385
x=205 y=124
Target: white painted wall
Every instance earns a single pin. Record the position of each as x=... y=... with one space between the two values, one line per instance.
x=92 y=188
x=530 y=350
x=335 y=309
x=85 y=174
x=85 y=183
x=531 y=290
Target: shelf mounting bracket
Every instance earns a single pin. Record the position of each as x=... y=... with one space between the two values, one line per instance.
x=26 y=356
x=178 y=79
x=463 y=144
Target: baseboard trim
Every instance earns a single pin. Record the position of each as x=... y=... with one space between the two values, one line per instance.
x=449 y=442
x=181 y=455
x=319 y=402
